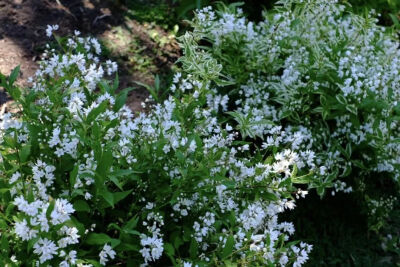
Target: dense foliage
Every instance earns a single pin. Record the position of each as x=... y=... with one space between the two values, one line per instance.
x=325 y=76
x=84 y=181
x=262 y=112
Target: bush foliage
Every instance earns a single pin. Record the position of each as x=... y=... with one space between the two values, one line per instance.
x=327 y=81
x=306 y=99
x=87 y=182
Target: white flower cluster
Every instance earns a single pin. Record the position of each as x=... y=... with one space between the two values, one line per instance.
x=41 y=212
x=204 y=228
x=160 y=124
x=50 y=29
x=331 y=80
x=177 y=169
x=36 y=224
x=152 y=246
x=106 y=252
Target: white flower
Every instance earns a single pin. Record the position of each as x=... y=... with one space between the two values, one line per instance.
x=111 y=67
x=14 y=177
x=152 y=248
x=45 y=248
x=30 y=209
x=106 y=252
x=253 y=217
x=283 y=260
x=71 y=238
x=192 y=146
x=70 y=259
x=24 y=232
x=50 y=29
x=88 y=196
x=257 y=238
x=61 y=212
x=289 y=204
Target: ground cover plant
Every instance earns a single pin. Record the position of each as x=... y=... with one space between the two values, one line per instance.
x=87 y=183
x=260 y=114
x=330 y=81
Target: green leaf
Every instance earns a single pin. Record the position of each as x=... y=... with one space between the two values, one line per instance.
x=96 y=130
x=75 y=223
x=121 y=98
x=4 y=243
x=50 y=208
x=103 y=168
x=31 y=243
x=346 y=152
x=321 y=191
x=318 y=110
x=14 y=75
x=349 y=150
x=359 y=164
x=108 y=196
x=131 y=224
x=228 y=248
x=325 y=114
x=286 y=113
x=352 y=109
x=24 y=153
x=193 y=249
x=96 y=111
x=169 y=249
x=132 y=232
x=9 y=209
x=305 y=179
x=122 y=172
x=115 y=242
x=3 y=225
x=347 y=170
x=150 y=89
x=9 y=141
x=14 y=91
x=294 y=172
x=176 y=240
x=268 y=196
x=116 y=182
x=3 y=80
x=81 y=205
x=224 y=82
x=323 y=100
x=395 y=20
x=228 y=263
x=341 y=99
x=118 y=196
x=332 y=176
x=101 y=239
x=104 y=87
x=128 y=247
x=113 y=226
x=116 y=83
x=73 y=175
x=157 y=83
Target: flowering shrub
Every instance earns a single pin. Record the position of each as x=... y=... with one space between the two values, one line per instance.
x=313 y=75
x=85 y=182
